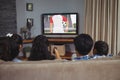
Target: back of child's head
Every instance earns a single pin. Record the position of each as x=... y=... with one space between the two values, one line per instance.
x=39 y=50
x=83 y=43
x=101 y=48
x=40 y=40
x=17 y=38
x=9 y=49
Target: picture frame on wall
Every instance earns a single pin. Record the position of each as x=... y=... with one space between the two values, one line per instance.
x=29 y=6
x=30 y=21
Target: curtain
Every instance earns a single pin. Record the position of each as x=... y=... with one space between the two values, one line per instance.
x=101 y=21
x=118 y=29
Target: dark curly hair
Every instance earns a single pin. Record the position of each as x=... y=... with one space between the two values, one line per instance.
x=83 y=43
x=101 y=48
x=39 y=50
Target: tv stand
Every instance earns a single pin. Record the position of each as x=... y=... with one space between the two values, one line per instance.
x=53 y=40
x=60 y=40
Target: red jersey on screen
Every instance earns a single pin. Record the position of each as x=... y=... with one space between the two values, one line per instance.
x=63 y=19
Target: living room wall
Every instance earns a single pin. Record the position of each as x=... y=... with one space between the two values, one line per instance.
x=47 y=6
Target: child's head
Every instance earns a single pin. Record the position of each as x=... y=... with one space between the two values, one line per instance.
x=17 y=38
x=83 y=43
x=40 y=41
x=100 y=48
x=39 y=50
x=9 y=49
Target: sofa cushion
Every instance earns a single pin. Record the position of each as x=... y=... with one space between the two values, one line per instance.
x=61 y=70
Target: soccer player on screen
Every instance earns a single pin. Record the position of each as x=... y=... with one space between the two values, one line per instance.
x=57 y=24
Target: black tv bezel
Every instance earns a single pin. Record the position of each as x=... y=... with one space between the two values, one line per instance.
x=77 y=24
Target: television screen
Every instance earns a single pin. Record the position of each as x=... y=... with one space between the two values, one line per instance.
x=60 y=24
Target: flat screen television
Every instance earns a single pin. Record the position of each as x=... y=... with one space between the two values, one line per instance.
x=60 y=25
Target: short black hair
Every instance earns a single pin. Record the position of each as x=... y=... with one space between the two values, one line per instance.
x=17 y=38
x=101 y=47
x=83 y=43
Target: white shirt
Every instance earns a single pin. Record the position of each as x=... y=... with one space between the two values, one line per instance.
x=57 y=22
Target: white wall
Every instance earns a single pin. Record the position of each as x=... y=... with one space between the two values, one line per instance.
x=47 y=6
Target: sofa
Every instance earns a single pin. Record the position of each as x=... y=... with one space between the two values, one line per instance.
x=97 y=69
